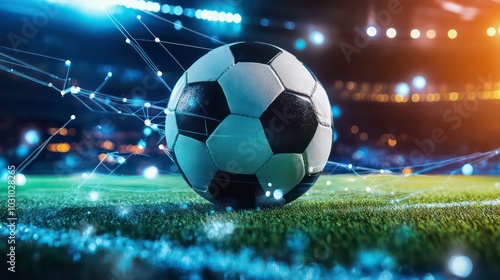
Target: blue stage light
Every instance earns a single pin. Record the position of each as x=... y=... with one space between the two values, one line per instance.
x=300 y=45
x=32 y=137
x=165 y=9
x=178 y=10
x=237 y=18
x=403 y=89
x=150 y=172
x=419 y=82
x=151 y=6
x=317 y=38
x=336 y=111
x=290 y=25
x=467 y=169
x=197 y=14
x=147 y=131
x=178 y=25
x=22 y=151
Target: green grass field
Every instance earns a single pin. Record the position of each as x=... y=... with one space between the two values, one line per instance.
x=114 y=227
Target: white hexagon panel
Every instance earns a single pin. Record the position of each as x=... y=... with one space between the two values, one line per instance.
x=239 y=145
x=250 y=88
x=218 y=61
x=318 y=150
x=293 y=74
x=321 y=105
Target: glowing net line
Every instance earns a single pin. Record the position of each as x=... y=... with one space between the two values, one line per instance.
x=40 y=148
x=110 y=172
x=185 y=28
x=104 y=102
x=16 y=62
x=159 y=42
x=96 y=101
x=174 y=43
x=100 y=102
x=371 y=180
x=137 y=47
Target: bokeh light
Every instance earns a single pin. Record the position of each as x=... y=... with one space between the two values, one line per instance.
x=419 y=82
x=415 y=33
x=93 y=196
x=142 y=144
x=290 y=25
x=165 y=9
x=32 y=137
x=460 y=266
x=177 y=26
x=467 y=169
x=178 y=10
x=317 y=38
x=147 y=131
x=452 y=34
x=354 y=129
x=431 y=34
x=22 y=151
x=300 y=44
x=391 y=32
x=336 y=111
x=403 y=89
x=150 y=172
x=278 y=194
x=491 y=31
x=407 y=171
x=20 y=179
x=371 y=31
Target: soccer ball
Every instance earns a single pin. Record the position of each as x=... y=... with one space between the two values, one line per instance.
x=248 y=125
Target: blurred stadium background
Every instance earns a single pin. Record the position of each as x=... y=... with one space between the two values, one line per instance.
x=409 y=81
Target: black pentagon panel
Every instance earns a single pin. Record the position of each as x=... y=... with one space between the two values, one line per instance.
x=235 y=190
x=201 y=108
x=302 y=187
x=289 y=123
x=254 y=52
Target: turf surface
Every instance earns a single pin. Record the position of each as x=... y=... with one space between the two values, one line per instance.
x=405 y=226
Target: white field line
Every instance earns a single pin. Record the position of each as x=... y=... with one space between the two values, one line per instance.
x=495 y=202
x=161 y=254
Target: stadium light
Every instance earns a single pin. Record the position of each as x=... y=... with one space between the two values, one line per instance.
x=391 y=33
x=371 y=31
x=491 y=31
x=419 y=82
x=300 y=44
x=460 y=266
x=150 y=172
x=317 y=38
x=431 y=34
x=32 y=137
x=151 y=6
x=467 y=169
x=452 y=34
x=415 y=33
x=403 y=89
x=20 y=179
